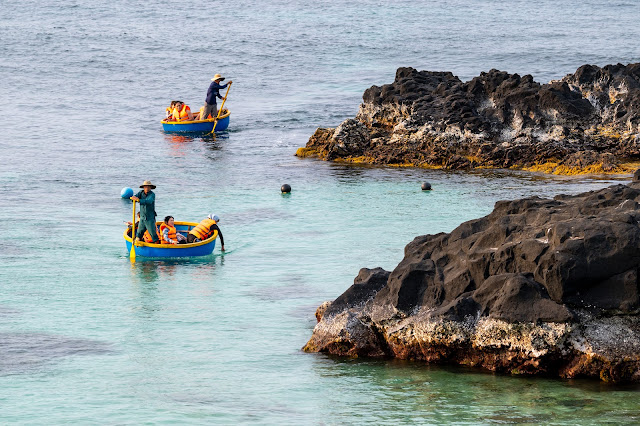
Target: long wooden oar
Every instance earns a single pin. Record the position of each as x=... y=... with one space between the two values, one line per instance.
x=220 y=110
x=132 y=254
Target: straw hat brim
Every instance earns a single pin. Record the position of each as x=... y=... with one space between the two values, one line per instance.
x=216 y=79
x=147 y=184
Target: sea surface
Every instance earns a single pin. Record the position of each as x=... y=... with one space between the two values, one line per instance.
x=86 y=337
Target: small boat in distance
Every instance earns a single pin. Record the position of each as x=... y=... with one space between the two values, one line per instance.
x=197 y=126
x=201 y=248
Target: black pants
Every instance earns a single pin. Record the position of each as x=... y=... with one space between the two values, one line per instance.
x=192 y=238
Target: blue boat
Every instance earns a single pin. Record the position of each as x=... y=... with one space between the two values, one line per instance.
x=201 y=248
x=197 y=126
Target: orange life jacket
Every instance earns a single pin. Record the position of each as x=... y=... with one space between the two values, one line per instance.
x=203 y=229
x=172 y=233
x=147 y=236
x=182 y=114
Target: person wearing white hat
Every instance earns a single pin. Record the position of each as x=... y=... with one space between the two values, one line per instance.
x=205 y=230
x=213 y=94
x=147 y=200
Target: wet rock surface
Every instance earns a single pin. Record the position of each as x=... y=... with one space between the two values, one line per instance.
x=587 y=121
x=539 y=286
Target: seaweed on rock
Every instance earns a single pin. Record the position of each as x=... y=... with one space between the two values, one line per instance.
x=587 y=122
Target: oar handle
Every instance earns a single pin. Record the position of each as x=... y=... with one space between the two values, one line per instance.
x=225 y=99
x=133 y=223
x=132 y=253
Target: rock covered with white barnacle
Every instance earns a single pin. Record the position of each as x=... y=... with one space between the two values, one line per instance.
x=539 y=286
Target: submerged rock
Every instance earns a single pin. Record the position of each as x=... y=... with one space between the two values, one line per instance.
x=587 y=122
x=539 y=286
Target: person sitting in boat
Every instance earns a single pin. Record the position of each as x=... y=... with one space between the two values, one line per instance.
x=205 y=230
x=169 y=234
x=182 y=112
x=128 y=222
x=210 y=109
x=199 y=115
x=169 y=111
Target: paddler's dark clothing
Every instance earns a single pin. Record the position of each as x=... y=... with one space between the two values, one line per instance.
x=147 y=215
x=192 y=238
x=214 y=92
x=210 y=107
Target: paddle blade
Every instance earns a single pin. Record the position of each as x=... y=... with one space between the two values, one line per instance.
x=132 y=253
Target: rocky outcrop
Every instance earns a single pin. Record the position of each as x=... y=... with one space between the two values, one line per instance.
x=588 y=121
x=539 y=286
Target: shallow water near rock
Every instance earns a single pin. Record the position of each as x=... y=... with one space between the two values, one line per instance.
x=85 y=336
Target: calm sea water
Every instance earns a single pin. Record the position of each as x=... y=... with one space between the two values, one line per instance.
x=87 y=337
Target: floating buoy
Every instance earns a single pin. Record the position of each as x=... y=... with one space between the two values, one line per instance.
x=286 y=188
x=426 y=186
x=126 y=192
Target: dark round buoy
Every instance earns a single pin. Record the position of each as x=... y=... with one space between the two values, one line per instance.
x=286 y=188
x=426 y=186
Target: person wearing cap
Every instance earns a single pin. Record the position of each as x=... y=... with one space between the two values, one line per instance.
x=205 y=229
x=213 y=94
x=147 y=200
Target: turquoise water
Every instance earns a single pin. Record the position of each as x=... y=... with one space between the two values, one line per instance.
x=87 y=337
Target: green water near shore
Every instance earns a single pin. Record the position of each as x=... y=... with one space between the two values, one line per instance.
x=218 y=338
x=85 y=337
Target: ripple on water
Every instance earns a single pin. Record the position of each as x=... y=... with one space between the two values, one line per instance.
x=22 y=353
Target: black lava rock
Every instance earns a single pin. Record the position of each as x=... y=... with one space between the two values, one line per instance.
x=426 y=118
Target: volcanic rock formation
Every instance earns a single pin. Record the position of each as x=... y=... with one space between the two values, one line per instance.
x=588 y=121
x=539 y=286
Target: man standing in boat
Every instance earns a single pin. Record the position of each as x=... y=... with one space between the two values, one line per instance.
x=213 y=94
x=147 y=200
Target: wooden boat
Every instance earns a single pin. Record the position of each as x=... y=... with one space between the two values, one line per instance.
x=201 y=248
x=197 y=126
